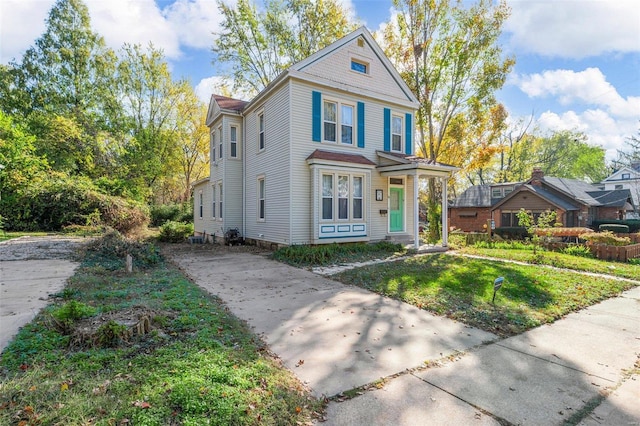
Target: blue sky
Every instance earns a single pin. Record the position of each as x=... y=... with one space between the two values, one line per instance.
x=577 y=61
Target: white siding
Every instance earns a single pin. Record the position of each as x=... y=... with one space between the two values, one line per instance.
x=304 y=191
x=273 y=164
x=232 y=177
x=337 y=67
x=205 y=223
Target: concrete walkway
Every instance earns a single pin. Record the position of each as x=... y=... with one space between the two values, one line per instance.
x=31 y=268
x=336 y=338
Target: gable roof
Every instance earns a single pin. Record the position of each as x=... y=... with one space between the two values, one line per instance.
x=474 y=196
x=219 y=104
x=297 y=69
x=363 y=33
x=633 y=170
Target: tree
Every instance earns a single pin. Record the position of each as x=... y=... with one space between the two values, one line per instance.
x=567 y=154
x=152 y=117
x=631 y=153
x=61 y=89
x=450 y=57
x=259 y=45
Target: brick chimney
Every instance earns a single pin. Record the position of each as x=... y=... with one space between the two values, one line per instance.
x=536 y=176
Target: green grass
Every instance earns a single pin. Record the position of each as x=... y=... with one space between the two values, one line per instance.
x=4 y=236
x=198 y=365
x=330 y=254
x=462 y=288
x=560 y=260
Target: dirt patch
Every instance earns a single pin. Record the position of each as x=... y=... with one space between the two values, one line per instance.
x=42 y=248
x=168 y=248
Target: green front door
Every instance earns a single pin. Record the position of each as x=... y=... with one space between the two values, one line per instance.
x=396 y=209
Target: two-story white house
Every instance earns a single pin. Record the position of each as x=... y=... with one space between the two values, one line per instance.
x=627 y=178
x=325 y=153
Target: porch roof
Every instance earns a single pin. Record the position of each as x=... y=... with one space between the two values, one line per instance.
x=323 y=156
x=396 y=163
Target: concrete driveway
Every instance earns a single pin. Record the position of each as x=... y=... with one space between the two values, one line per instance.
x=336 y=338
x=31 y=268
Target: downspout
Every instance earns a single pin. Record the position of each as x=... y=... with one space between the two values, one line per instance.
x=416 y=211
x=445 y=214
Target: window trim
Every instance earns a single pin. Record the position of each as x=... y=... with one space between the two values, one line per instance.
x=220 y=193
x=213 y=201
x=221 y=141
x=339 y=123
x=354 y=65
x=335 y=196
x=200 y=204
x=400 y=135
x=261 y=125
x=233 y=142
x=213 y=146
x=496 y=193
x=261 y=197
x=626 y=176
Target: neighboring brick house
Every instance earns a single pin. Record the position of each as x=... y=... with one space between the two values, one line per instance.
x=576 y=203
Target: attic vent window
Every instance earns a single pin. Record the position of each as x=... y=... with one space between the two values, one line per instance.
x=360 y=67
x=625 y=176
x=360 y=42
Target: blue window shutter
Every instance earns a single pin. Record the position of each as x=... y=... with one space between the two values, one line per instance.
x=316 y=114
x=408 y=134
x=387 y=129
x=360 y=124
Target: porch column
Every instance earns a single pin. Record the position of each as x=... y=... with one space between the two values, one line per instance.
x=416 y=211
x=445 y=214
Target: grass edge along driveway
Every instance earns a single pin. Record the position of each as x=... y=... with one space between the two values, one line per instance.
x=461 y=288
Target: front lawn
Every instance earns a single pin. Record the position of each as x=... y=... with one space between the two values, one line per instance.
x=185 y=360
x=559 y=260
x=462 y=288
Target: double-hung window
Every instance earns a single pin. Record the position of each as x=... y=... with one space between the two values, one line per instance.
x=396 y=133
x=261 y=141
x=233 y=141
x=220 y=202
x=261 y=199
x=342 y=196
x=200 y=204
x=221 y=141
x=327 y=197
x=338 y=122
x=213 y=201
x=330 y=121
x=214 y=142
x=346 y=126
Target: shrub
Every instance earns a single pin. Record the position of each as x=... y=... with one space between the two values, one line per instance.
x=114 y=247
x=512 y=232
x=606 y=237
x=578 y=250
x=63 y=201
x=175 y=232
x=618 y=229
x=326 y=254
x=70 y=312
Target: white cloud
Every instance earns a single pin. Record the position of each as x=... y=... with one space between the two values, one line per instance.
x=601 y=128
x=21 y=22
x=589 y=87
x=574 y=28
x=135 y=22
x=183 y=23
x=194 y=21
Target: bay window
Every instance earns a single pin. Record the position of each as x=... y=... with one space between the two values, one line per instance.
x=342 y=196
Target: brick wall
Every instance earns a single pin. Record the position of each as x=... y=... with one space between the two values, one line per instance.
x=469 y=219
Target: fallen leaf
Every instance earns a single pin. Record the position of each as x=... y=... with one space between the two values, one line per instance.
x=298 y=409
x=64 y=386
x=32 y=388
x=24 y=367
x=300 y=362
